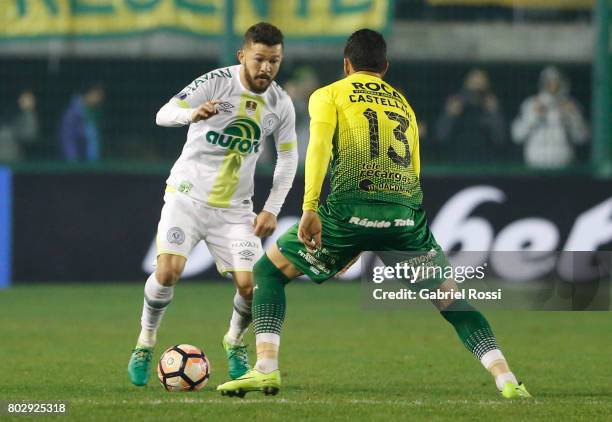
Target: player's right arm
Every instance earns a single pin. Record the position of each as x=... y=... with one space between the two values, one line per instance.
x=323 y=120
x=192 y=104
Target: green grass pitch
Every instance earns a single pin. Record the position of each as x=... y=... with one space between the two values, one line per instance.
x=339 y=361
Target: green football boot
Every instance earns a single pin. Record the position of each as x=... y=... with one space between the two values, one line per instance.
x=253 y=380
x=514 y=391
x=237 y=359
x=139 y=367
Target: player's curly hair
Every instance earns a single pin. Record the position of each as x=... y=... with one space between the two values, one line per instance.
x=263 y=33
x=366 y=50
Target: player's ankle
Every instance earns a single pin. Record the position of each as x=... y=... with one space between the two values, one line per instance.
x=147 y=338
x=265 y=366
x=234 y=338
x=502 y=379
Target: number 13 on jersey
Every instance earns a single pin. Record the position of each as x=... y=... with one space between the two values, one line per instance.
x=399 y=133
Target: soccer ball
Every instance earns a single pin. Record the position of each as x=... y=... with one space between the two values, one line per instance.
x=183 y=368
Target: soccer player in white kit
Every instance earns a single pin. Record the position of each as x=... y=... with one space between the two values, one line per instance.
x=230 y=112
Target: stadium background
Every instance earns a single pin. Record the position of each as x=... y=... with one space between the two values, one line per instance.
x=111 y=203
x=90 y=222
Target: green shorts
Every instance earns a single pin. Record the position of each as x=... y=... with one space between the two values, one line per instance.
x=348 y=229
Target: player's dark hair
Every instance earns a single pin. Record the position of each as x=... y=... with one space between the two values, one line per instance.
x=366 y=50
x=263 y=33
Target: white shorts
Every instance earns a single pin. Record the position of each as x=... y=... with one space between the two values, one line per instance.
x=228 y=232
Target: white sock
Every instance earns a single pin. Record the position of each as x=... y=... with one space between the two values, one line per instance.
x=267 y=365
x=502 y=379
x=489 y=359
x=240 y=321
x=156 y=299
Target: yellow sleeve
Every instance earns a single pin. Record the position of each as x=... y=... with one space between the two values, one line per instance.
x=323 y=120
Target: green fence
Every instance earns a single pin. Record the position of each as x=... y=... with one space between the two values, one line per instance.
x=602 y=91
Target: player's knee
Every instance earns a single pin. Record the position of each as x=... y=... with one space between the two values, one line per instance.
x=265 y=272
x=246 y=291
x=458 y=307
x=261 y=267
x=244 y=284
x=168 y=276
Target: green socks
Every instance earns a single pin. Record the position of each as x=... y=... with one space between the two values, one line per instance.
x=472 y=327
x=268 y=297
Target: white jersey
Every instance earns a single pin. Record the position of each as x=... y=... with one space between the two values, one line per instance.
x=217 y=164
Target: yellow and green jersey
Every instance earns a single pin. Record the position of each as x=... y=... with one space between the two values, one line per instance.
x=369 y=131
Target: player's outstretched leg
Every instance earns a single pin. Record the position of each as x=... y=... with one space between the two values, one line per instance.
x=233 y=343
x=158 y=293
x=476 y=334
x=268 y=316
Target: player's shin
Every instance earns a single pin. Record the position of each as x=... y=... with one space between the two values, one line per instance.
x=477 y=336
x=268 y=313
x=241 y=319
x=157 y=297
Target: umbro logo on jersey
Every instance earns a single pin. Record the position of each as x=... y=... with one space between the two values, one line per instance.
x=225 y=107
x=241 y=135
x=246 y=253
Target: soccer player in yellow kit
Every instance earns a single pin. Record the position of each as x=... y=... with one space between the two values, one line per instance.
x=365 y=130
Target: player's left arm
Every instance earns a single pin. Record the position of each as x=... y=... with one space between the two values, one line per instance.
x=285 y=139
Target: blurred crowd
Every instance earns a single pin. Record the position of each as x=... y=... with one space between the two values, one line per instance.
x=550 y=125
x=19 y=129
x=473 y=127
x=78 y=137
x=482 y=120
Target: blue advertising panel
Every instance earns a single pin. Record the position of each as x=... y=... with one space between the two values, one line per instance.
x=6 y=205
